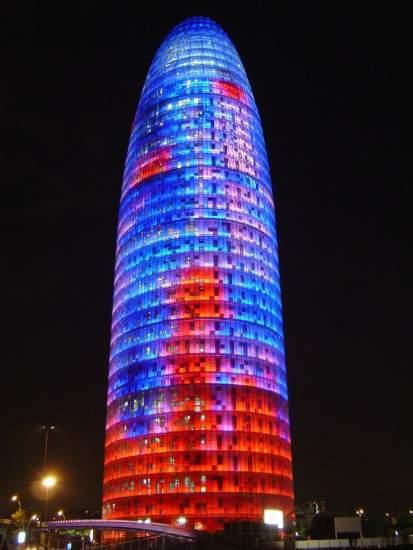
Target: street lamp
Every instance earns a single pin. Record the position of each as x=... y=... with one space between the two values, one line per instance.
x=61 y=514
x=46 y=429
x=34 y=517
x=48 y=483
x=360 y=513
x=15 y=498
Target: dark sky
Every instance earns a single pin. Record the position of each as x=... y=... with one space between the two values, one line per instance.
x=332 y=83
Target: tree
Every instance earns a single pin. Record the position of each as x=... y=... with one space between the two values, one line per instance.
x=322 y=527
x=19 y=518
x=404 y=525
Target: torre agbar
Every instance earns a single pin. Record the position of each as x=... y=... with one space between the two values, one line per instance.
x=197 y=427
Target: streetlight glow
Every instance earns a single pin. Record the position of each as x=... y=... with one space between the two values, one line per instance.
x=49 y=482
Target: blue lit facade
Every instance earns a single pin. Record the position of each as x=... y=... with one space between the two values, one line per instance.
x=197 y=422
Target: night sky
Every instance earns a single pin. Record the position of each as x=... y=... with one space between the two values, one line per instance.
x=332 y=83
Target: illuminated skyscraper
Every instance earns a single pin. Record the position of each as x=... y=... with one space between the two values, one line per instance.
x=197 y=423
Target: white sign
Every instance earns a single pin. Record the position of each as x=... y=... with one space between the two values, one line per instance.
x=274 y=517
x=347 y=525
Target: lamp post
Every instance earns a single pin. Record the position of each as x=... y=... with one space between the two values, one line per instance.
x=61 y=514
x=46 y=429
x=15 y=498
x=48 y=482
x=360 y=513
x=34 y=517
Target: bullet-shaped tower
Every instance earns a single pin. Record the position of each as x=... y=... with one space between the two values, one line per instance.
x=197 y=420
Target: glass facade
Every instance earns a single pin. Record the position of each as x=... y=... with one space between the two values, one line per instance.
x=197 y=420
